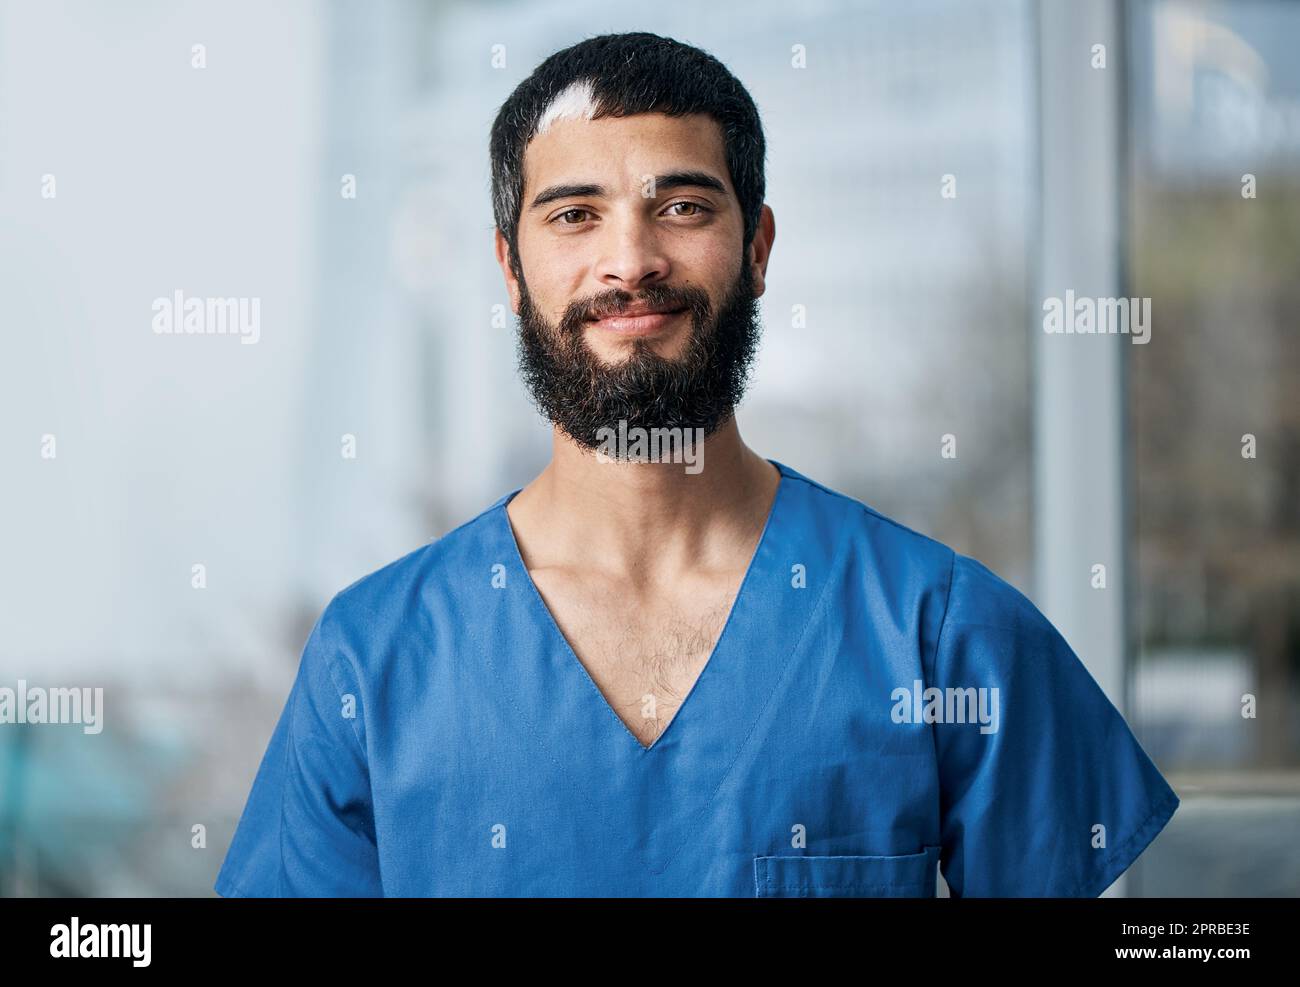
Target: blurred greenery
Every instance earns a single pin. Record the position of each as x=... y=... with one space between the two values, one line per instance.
x=1218 y=535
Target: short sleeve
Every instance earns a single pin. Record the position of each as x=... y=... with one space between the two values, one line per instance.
x=1048 y=794
x=307 y=829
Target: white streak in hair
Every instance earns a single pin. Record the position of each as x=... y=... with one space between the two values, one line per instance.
x=577 y=100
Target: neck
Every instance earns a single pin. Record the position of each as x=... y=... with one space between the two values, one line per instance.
x=640 y=519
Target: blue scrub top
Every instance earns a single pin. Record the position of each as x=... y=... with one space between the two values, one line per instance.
x=442 y=738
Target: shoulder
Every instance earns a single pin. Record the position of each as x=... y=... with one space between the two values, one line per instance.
x=980 y=596
x=917 y=566
x=876 y=541
x=370 y=613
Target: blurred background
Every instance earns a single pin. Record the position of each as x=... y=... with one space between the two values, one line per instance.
x=381 y=320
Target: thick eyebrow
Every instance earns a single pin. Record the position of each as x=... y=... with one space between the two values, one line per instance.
x=672 y=180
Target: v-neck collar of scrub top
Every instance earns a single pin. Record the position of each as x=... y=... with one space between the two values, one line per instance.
x=565 y=712
x=547 y=619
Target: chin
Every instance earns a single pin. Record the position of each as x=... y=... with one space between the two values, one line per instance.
x=612 y=352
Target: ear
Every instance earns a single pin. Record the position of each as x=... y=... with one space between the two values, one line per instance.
x=760 y=248
x=503 y=260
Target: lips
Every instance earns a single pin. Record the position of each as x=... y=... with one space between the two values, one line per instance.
x=637 y=312
x=637 y=321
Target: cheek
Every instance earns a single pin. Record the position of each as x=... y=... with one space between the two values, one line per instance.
x=554 y=279
x=714 y=268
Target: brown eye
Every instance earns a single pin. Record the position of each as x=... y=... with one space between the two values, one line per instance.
x=699 y=209
x=568 y=212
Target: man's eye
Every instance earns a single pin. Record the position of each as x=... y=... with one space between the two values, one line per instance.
x=569 y=212
x=699 y=209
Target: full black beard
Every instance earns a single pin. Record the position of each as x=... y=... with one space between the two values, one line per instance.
x=580 y=395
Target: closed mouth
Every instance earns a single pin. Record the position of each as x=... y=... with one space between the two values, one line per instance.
x=637 y=315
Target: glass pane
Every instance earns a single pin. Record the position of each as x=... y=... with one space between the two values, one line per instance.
x=1215 y=419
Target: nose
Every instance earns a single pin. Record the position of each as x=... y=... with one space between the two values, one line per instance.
x=631 y=255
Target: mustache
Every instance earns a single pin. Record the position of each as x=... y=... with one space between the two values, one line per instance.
x=690 y=297
x=700 y=388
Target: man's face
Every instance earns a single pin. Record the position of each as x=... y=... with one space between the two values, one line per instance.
x=621 y=216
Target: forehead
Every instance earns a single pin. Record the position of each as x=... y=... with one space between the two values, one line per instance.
x=575 y=148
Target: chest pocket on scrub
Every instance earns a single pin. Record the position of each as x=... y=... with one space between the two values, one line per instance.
x=911 y=875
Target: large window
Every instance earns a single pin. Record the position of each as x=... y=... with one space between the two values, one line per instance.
x=1215 y=421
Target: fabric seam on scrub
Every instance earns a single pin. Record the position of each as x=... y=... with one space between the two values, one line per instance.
x=1139 y=840
x=365 y=761
x=938 y=643
x=329 y=667
x=813 y=612
x=233 y=890
x=913 y=886
x=934 y=678
x=1162 y=811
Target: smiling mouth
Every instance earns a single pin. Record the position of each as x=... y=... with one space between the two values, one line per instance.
x=636 y=324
